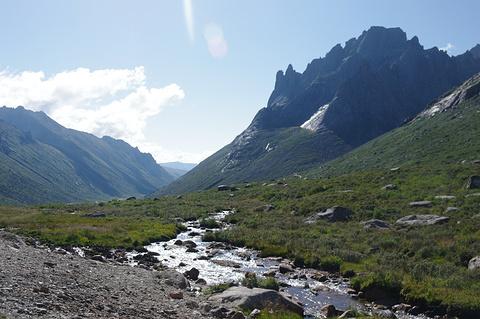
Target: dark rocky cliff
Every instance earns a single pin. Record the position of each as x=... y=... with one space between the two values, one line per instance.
x=355 y=93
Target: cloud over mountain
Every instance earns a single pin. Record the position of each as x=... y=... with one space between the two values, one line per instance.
x=114 y=102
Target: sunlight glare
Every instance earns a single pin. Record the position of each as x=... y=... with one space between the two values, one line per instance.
x=216 y=42
x=188 y=13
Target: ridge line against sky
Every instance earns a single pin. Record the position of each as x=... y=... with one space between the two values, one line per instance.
x=181 y=79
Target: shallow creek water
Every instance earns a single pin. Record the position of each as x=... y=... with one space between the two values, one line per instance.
x=300 y=286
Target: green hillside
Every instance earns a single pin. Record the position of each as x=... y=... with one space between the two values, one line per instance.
x=279 y=151
x=44 y=162
x=448 y=137
x=33 y=172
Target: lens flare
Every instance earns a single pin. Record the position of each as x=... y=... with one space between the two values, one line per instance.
x=215 y=40
x=188 y=13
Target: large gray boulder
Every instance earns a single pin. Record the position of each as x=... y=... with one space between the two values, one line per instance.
x=333 y=214
x=473 y=182
x=256 y=298
x=174 y=278
x=474 y=263
x=421 y=220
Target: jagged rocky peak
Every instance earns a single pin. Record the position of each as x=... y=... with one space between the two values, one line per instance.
x=366 y=88
x=475 y=51
x=378 y=45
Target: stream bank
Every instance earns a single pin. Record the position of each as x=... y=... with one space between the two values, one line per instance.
x=216 y=263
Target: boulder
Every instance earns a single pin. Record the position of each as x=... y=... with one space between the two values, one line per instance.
x=474 y=263
x=473 y=182
x=256 y=298
x=421 y=220
x=389 y=187
x=452 y=209
x=223 y=188
x=192 y=273
x=376 y=223
x=333 y=214
x=175 y=277
x=189 y=243
x=329 y=311
x=424 y=203
x=283 y=268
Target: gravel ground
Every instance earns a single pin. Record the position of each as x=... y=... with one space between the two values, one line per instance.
x=39 y=283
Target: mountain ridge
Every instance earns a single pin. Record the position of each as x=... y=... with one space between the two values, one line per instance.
x=352 y=95
x=104 y=167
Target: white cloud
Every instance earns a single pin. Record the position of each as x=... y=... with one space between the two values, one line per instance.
x=109 y=102
x=448 y=48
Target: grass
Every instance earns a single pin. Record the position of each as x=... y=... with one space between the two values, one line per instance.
x=426 y=266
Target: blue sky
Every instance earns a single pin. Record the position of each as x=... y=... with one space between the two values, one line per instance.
x=180 y=79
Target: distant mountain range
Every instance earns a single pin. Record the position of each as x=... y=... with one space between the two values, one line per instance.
x=42 y=161
x=357 y=92
x=177 y=169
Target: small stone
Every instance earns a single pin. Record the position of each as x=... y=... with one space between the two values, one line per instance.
x=205 y=308
x=445 y=197
x=328 y=311
x=42 y=311
x=238 y=315
x=176 y=294
x=254 y=314
x=192 y=273
x=389 y=187
x=200 y=281
x=270 y=273
x=98 y=258
x=192 y=304
x=44 y=289
x=283 y=268
x=424 y=203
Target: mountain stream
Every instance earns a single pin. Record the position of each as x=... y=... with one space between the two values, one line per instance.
x=218 y=264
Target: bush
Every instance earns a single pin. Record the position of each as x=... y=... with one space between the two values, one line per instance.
x=251 y=281
x=209 y=223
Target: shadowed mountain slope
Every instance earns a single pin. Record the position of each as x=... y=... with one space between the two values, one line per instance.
x=446 y=132
x=57 y=164
x=355 y=93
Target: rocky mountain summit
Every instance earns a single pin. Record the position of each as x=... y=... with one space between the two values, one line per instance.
x=355 y=93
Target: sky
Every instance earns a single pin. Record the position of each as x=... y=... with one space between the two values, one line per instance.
x=181 y=79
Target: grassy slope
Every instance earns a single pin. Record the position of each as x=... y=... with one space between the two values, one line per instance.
x=55 y=164
x=446 y=138
x=292 y=150
x=426 y=265
x=32 y=172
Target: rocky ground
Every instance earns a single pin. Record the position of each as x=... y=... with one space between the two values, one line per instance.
x=38 y=282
